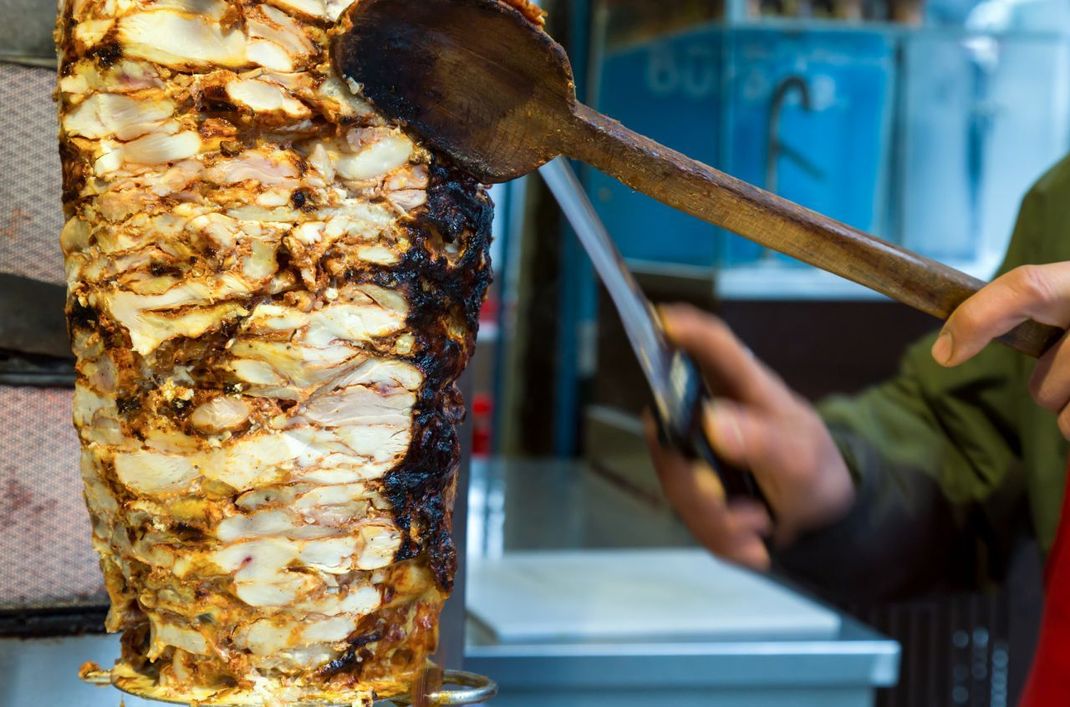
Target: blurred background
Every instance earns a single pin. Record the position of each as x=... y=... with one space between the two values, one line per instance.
x=921 y=121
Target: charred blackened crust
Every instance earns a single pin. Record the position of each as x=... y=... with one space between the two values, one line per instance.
x=444 y=276
x=447 y=272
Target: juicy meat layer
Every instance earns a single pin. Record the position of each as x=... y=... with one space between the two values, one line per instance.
x=272 y=291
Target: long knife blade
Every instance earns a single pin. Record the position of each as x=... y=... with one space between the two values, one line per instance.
x=679 y=391
x=635 y=310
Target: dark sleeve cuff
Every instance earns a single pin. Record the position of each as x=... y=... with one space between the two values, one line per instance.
x=900 y=538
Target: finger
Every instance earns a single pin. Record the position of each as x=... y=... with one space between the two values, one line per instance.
x=733 y=533
x=1050 y=384
x=750 y=517
x=693 y=490
x=742 y=436
x=748 y=526
x=1040 y=292
x=721 y=355
x=677 y=473
x=748 y=549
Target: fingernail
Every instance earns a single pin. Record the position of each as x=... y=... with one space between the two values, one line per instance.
x=707 y=483
x=944 y=348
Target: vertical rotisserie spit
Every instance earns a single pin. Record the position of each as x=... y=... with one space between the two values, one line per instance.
x=272 y=291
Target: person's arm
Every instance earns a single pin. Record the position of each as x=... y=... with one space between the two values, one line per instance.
x=880 y=495
x=933 y=454
x=907 y=486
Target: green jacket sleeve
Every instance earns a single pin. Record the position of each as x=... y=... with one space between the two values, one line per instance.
x=937 y=456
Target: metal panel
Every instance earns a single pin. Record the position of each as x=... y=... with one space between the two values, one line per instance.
x=26 y=32
x=48 y=561
x=956 y=650
x=31 y=215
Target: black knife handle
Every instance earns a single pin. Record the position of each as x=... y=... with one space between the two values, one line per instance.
x=680 y=421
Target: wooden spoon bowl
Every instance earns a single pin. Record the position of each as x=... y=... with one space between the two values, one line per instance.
x=421 y=67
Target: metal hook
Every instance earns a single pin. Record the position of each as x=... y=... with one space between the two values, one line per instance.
x=775 y=148
x=780 y=95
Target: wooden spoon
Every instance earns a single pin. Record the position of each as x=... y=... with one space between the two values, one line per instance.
x=481 y=82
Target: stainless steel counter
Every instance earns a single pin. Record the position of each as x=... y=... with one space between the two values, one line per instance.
x=549 y=505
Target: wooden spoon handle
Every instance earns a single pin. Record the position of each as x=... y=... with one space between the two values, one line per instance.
x=781 y=225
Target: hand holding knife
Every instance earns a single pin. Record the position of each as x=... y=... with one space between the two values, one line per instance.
x=680 y=394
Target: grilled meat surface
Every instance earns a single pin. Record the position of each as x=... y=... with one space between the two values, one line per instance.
x=272 y=291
